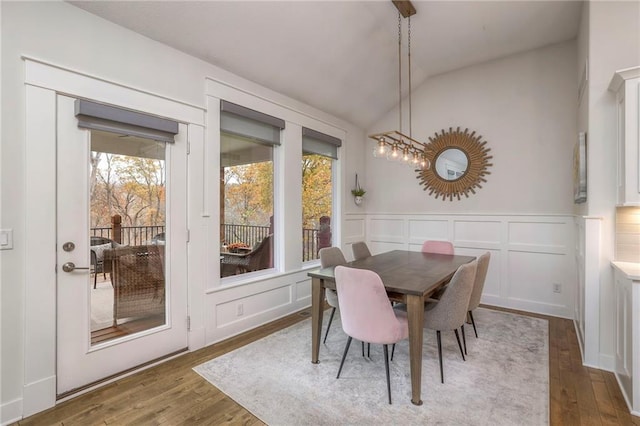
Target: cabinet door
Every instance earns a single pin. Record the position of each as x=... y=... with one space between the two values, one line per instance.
x=626 y=85
x=623 y=335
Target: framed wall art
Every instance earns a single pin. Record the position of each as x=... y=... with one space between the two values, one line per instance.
x=580 y=169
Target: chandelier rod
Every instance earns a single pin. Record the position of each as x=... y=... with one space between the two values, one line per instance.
x=399 y=72
x=409 y=47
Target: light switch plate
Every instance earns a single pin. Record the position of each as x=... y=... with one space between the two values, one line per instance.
x=6 y=239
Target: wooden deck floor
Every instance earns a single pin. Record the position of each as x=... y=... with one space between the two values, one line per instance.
x=172 y=394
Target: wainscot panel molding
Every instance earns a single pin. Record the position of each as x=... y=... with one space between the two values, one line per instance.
x=532 y=264
x=236 y=309
x=354 y=230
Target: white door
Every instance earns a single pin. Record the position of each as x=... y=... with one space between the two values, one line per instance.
x=137 y=311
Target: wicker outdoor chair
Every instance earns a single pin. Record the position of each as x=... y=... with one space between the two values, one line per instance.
x=98 y=246
x=138 y=281
x=257 y=259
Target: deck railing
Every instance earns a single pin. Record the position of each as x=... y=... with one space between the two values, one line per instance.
x=252 y=235
x=247 y=234
x=131 y=235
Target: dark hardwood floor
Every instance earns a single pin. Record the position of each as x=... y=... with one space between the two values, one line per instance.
x=172 y=394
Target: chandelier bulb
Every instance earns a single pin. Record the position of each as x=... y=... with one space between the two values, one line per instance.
x=406 y=155
x=380 y=150
x=394 y=154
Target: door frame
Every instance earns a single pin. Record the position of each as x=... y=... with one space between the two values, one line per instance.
x=42 y=84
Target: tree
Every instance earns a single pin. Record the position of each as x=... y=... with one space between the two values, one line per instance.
x=132 y=187
x=317 y=197
x=248 y=193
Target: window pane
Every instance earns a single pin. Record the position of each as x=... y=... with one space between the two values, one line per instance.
x=127 y=214
x=246 y=200
x=317 y=204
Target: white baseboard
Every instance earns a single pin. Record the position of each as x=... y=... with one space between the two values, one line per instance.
x=607 y=362
x=624 y=395
x=10 y=412
x=38 y=396
x=580 y=342
x=528 y=306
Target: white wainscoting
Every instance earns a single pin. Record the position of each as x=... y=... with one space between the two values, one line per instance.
x=238 y=308
x=530 y=254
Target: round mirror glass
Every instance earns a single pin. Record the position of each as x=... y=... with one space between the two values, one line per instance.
x=451 y=164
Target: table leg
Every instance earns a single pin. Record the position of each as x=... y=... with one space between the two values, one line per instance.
x=415 y=314
x=317 y=302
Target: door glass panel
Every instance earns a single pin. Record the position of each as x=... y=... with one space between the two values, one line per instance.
x=127 y=235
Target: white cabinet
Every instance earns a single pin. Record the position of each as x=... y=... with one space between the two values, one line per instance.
x=626 y=85
x=627 y=332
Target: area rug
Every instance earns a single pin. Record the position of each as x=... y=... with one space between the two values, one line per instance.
x=504 y=381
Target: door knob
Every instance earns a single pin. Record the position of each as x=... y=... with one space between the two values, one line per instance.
x=70 y=267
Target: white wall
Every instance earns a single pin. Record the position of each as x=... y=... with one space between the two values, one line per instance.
x=524 y=106
x=60 y=34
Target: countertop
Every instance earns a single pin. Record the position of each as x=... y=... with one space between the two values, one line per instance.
x=630 y=269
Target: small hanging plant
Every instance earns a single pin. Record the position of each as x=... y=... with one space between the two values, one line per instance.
x=358 y=192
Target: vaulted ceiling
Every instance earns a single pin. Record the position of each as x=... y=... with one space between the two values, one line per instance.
x=341 y=56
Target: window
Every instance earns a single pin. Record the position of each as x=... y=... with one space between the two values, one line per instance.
x=318 y=154
x=248 y=140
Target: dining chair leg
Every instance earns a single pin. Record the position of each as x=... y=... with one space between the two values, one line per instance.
x=386 y=367
x=346 y=349
x=326 y=333
x=440 y=355
x=473 y=323
x=459 y=344
x=393 y=349
x=464 y=339
x=368 y=350
x=95 y=279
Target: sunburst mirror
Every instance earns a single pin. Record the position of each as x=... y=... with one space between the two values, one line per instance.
x=459 y=164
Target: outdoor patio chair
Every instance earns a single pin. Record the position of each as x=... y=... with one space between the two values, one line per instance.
x=138 y=281
x=259 y=258
x=98 y=247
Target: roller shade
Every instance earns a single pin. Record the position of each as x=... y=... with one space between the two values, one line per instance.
x=314 y=142
x=95 y=116
x=246 y=123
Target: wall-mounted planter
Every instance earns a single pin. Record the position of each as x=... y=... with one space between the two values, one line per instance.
x=358 y=192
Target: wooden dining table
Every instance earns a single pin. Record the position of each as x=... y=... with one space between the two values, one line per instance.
x=409 y=277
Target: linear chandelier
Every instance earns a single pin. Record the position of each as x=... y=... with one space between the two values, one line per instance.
x=395 y=145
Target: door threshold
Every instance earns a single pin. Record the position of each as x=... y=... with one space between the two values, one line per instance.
x=114 y=377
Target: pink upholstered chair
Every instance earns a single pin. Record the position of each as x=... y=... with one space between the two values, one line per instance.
x=450 y=312
x=478 y=286
x=440 y=247
x=367 y=314
x=331 y=256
